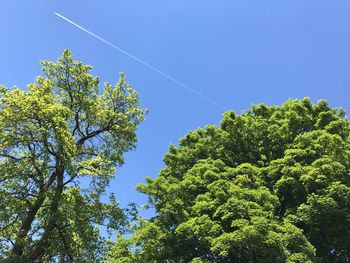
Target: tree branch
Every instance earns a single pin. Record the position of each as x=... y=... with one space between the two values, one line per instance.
x=39 y=249
x=17 y=249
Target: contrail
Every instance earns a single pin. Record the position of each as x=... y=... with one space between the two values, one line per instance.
x=141 y=61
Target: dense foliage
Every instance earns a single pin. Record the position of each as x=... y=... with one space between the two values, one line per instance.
x=269 y=185
x=60 y=141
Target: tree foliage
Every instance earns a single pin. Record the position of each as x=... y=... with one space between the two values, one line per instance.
x=269 y=185
x=60 y=141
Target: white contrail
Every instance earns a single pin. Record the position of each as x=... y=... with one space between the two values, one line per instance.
x=141 y=61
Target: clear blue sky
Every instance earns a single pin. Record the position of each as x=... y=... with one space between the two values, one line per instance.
x=236 y=52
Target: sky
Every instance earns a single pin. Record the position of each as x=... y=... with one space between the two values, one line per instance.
x=236 y=53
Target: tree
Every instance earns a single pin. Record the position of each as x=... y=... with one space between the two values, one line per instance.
x=269 y=185
x=60 y=141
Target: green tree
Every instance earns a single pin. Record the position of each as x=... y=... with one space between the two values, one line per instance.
x=269 y=185
x=60 y=141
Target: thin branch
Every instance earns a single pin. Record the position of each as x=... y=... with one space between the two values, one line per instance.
x=71 y=178
x=9 y=224
x=65 y=245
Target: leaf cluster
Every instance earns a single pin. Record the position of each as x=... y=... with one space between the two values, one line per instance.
x=60 y=141
x=269 y=185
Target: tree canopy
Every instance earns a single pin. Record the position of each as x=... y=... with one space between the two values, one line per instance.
x=269 y=185
x=60 y=141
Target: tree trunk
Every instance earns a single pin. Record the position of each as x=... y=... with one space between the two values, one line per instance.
x=39 y=249
x=17 y=249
